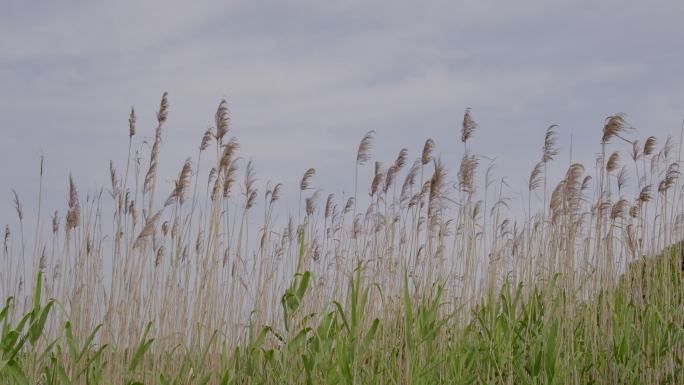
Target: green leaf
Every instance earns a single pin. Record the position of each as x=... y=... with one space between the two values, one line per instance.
x=89 y=341
x=303 y=285
x=370 y=335
x=142 y=348
x=71 y=344
x=340 y=311
x=61 y=373
x=39 y=289
x=36 y=328
x=15 y=371
x=205 y=379
x=298 y=339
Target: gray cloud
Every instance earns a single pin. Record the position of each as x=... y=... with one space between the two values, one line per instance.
x=305 y=80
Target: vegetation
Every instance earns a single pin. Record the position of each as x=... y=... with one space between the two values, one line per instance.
x=426 y=281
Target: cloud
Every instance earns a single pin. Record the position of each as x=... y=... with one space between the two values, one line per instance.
x=305 y=80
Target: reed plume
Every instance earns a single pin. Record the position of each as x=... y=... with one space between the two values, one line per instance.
x=550 y=149
x=206 y=139
x=649 y=145
x=363 y=154
x=131 y=123
x=222 y=120
x=74 y=212
x=17 y=205
x=148 y=230
x=426 y=155
x=466 y=173
x=613 y=162
x=615 y=125
x=535 y=179
x=468 y=127
x=306 y=179
x=163 y=112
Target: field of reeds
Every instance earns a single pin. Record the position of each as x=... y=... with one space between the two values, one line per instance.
x=422 y=276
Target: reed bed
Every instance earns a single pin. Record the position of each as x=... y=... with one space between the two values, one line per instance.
x=423 y=276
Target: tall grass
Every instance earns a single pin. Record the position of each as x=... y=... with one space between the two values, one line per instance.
x=427 y=280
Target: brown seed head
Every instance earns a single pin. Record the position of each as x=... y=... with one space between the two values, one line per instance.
x=426 y=156
x=206 y=139
x=636 y=150
x=306 y=179
x=311 y=203
x=615 y=125
x=74 y=213
x=229 y=176
x=613 y=162
x=436 y=182
x=550 y=150
x=400 y=162
x=645 y=194
x=163 y=109
x=55 y=222
x=618 y=210
x=222 y=119
x=131 y=123
x=649 y=145
x=148 y=230
x=468 y=127
x=275 y=194
x=228 y=153
x=535 y=180
x=466 y=173
x=377 y=178
x=17 y=205
x=363 y=154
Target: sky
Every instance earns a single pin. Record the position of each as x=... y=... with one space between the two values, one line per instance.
x=305 y=80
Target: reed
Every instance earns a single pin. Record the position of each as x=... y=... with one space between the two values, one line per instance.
x=429 y=278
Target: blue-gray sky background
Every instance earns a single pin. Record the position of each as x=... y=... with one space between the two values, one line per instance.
x=305 y=80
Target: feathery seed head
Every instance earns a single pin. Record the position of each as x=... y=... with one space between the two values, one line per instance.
x=55 y=222
x=645 y=194
x=74 y=213
x=222 y=120
x=614 y=126
x=649 y=145
x=466 y=173
x=426 y=156
x=228 y=153
x=363 y=154
x=377 y=179
x=163 y=109
x=206 y=139
x=550 y=150
x=636 y=150
x=468 y=127
x=436 y=182
x=349 y=205
x=329 y=206
x=131 y=123
x=275 y=194
x=613 y=162
x=148 y=230
x=536 y=176
x=17 y=205
x=400 y=162
x=306 y=179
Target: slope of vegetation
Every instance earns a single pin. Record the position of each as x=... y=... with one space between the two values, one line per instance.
x=432 y=282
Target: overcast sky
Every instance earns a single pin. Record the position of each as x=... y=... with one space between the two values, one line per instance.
x=305 y=80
